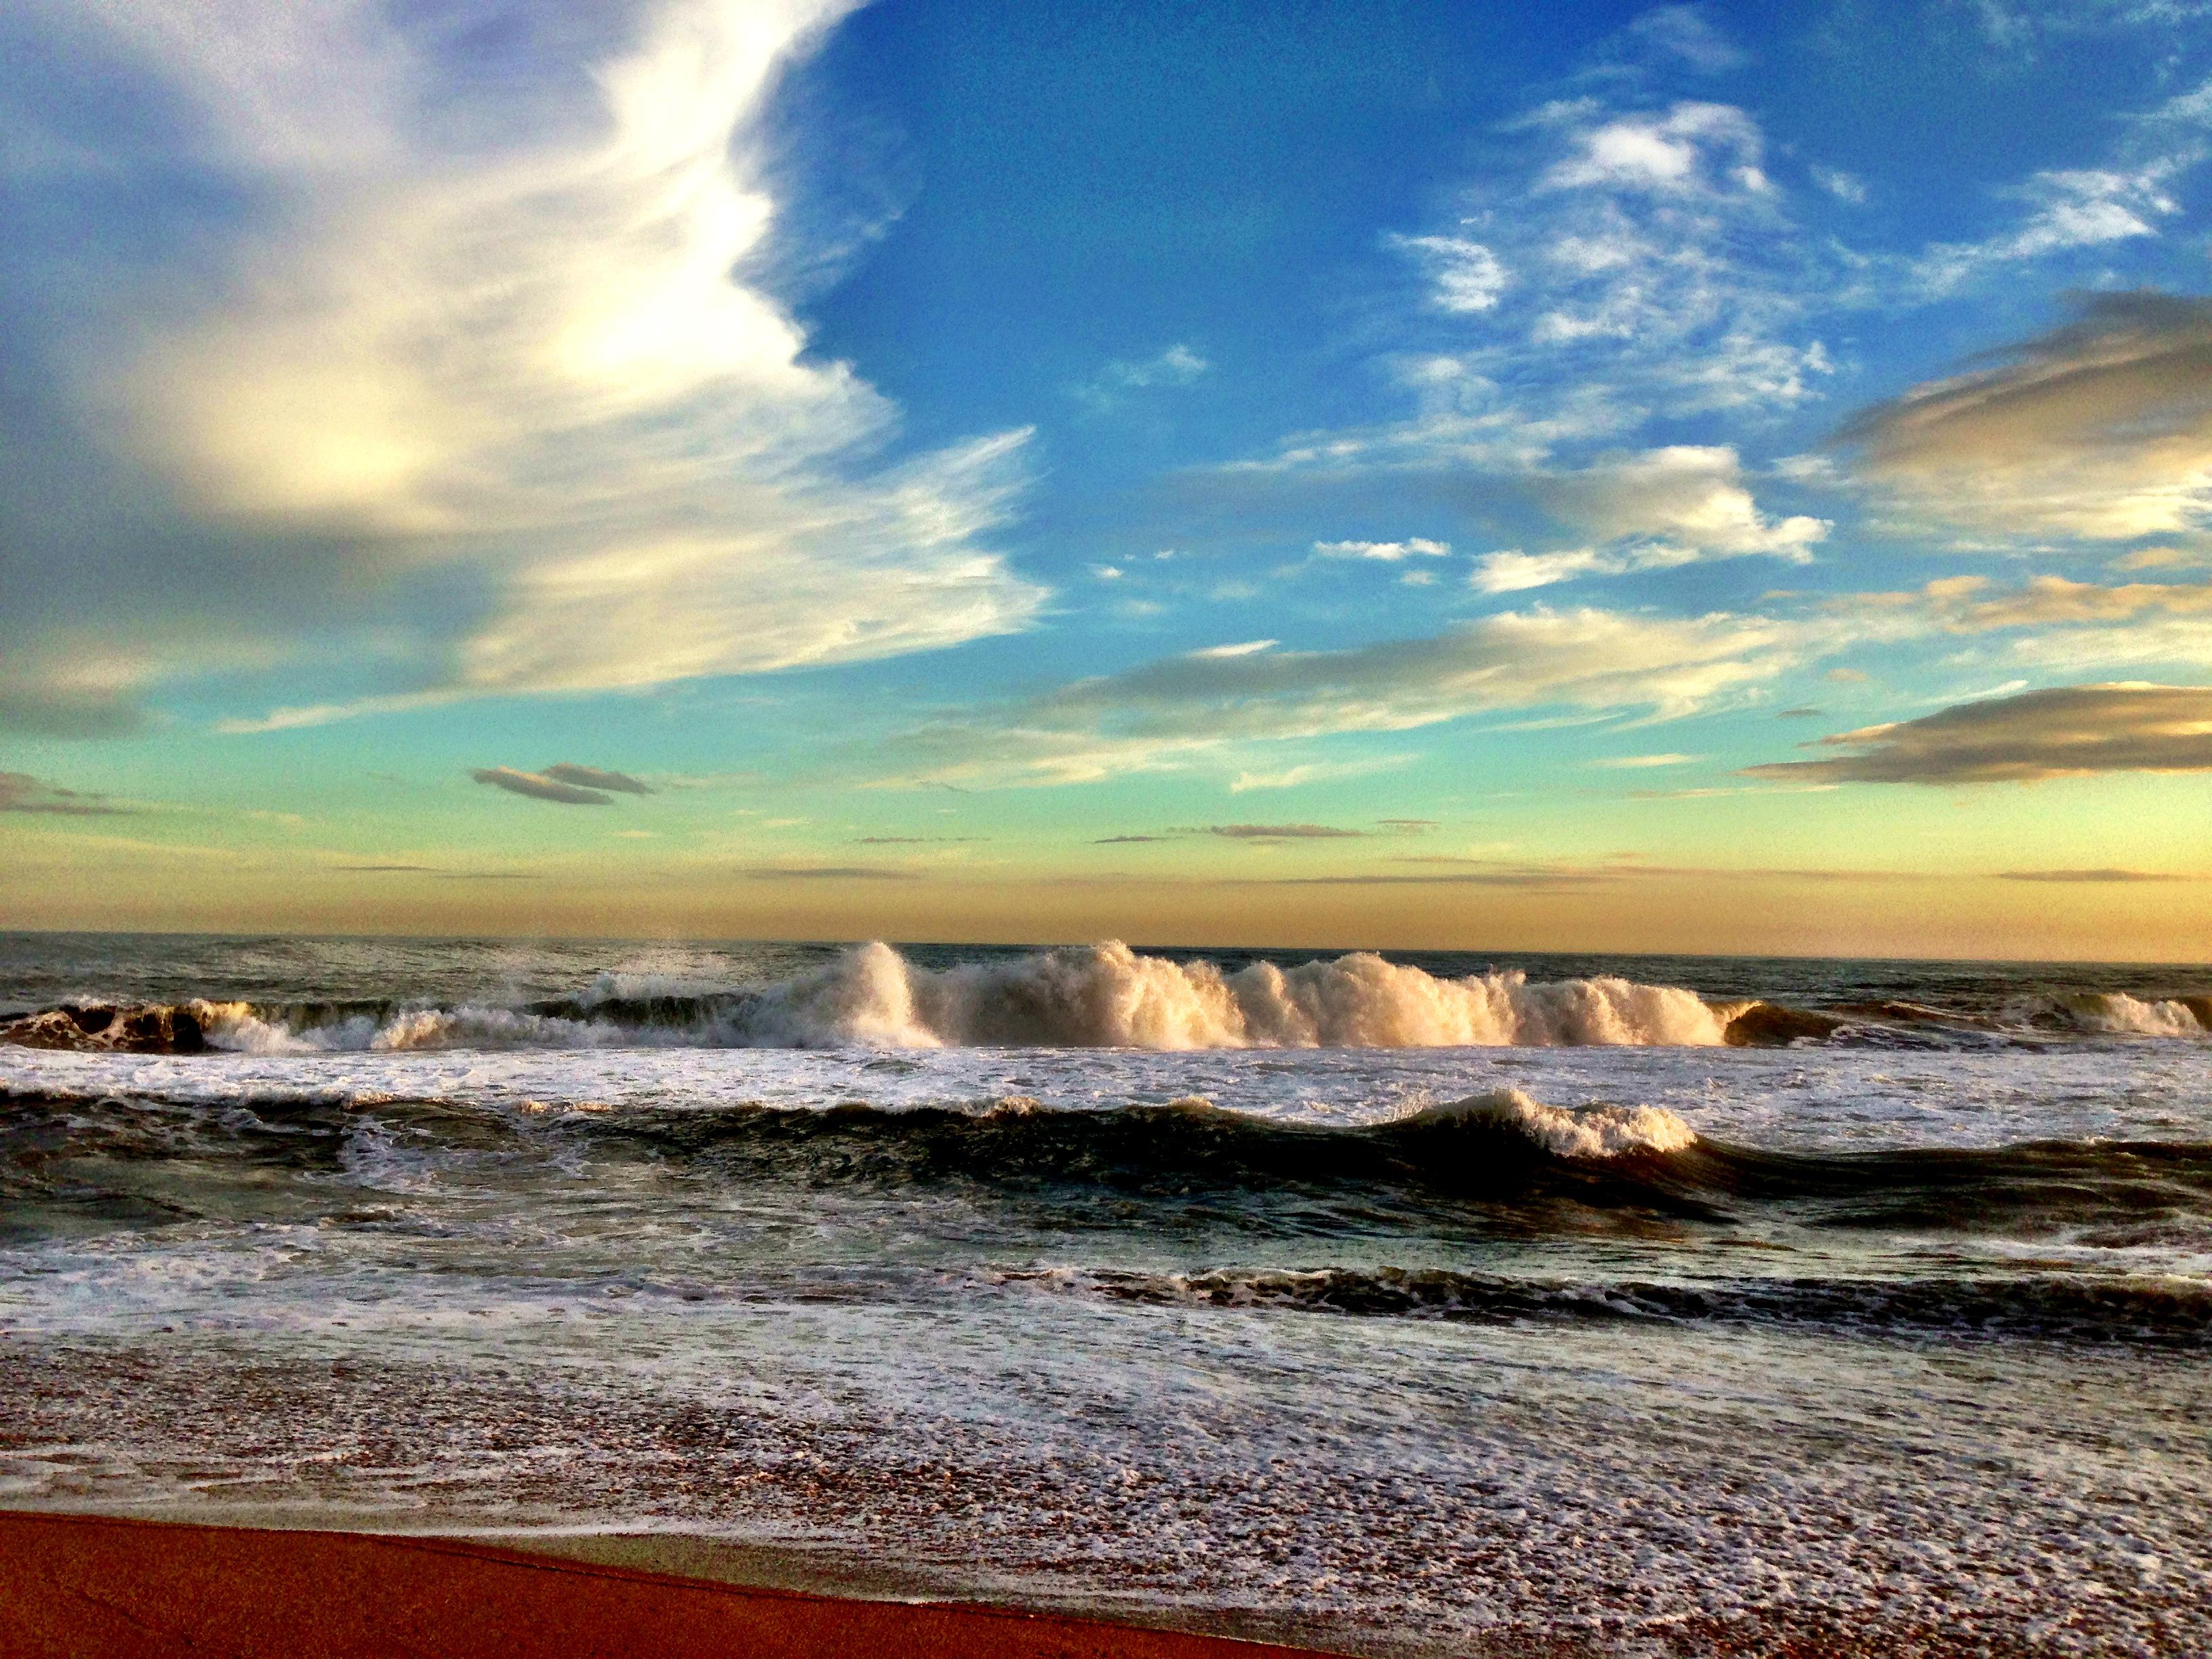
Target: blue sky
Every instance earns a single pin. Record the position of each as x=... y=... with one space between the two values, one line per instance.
x=1717 y=477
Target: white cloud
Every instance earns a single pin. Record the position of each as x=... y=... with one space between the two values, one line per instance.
x=2068 y=209
x=2161 y=640
x=1630 y=257
x=1244 y=648
x=1513 y=571
x=2126 y=197
x=1464 y=276
x=1621 y=261
x=1413 y=547
x=1686 y=32
x=1653 y=510
x=1178 y=365
x=71 y=687
x=1844 y=186
x=1691 y=495
x=1293 y=777
x=1692 y=147
x=487 y=326
x=2021 y=25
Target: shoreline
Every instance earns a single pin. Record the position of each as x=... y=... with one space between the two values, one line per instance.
x=85 y=1585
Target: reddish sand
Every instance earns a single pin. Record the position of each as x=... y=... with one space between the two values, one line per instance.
x=78 y=1587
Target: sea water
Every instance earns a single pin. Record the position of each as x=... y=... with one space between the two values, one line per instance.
x=1410 y=1303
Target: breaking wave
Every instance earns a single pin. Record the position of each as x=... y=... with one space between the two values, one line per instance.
x=1099 y=996
x=1096 y=996
x=2118 y=1014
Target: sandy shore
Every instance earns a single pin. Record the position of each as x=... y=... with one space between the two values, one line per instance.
x=81 y=1586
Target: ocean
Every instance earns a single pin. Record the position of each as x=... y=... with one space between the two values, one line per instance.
x=1402 y=1303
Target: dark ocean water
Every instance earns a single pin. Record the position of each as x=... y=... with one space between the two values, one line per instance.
x=1417 y=1300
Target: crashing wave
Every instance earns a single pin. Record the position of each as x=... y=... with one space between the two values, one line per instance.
x=1109 y=996
x=154 y=1028
x=1095 y=996
x=2115 y=1013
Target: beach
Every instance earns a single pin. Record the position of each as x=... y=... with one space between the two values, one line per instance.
x=81 y=1586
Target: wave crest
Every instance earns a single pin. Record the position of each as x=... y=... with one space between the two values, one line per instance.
x=1109 y=996
x=1092 y=996
x=1588 y=1132
x=2115 y=1013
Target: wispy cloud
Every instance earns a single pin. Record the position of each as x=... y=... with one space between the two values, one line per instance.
x=2054 y=622
x=593 y=777
x=1310 y=772
x=2128 y=195
x=1178 y=365
x=1413 y=547
x=825 y=873
x=1181 y=711
x=22 y=793
x=1281 y=832
x=538 y=786
x=1688 y=33
x=2095 y=876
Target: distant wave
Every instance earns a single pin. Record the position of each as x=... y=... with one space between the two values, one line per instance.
x=1103 y=996
x=2116 y=1013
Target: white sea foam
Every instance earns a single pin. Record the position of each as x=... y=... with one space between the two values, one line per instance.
x=238 y=1027
x=1109 y=996
x=1104 y=996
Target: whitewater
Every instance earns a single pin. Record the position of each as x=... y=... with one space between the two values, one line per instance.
x=1101 y=996
x=1398 y=1303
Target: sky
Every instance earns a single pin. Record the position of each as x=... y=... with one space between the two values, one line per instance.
x=1715 y=478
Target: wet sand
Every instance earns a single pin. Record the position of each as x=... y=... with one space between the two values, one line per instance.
x=78 y=1587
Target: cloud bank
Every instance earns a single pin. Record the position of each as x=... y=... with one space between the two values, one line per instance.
x=2100 y=429
x=2063 y=731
